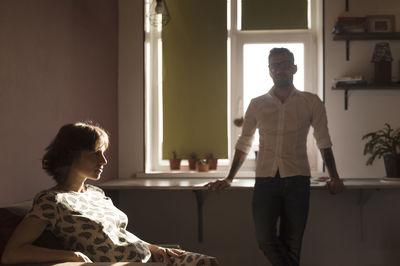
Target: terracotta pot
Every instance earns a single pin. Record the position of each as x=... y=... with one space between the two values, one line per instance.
x=213 y=162
x=202 y=167
x=175 y=164
x=192 y=163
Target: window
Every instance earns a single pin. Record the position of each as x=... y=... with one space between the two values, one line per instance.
x=256 y=79
x=249 y=62
x=186 y=83
x=246 y=64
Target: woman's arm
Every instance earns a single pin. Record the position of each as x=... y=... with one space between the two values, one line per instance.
x=20 y=249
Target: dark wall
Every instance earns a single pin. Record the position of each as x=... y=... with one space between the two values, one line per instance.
x=58 y=64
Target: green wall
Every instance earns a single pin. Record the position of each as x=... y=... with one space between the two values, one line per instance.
x=195 y=79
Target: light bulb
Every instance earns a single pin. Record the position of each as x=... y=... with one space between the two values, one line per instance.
x=159 y=14
x=159 y=7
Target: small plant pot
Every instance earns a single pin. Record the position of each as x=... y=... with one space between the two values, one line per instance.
x=392 y=165
x=213 y=162
x=192 y=163
x=202 y=167
x=175 y=164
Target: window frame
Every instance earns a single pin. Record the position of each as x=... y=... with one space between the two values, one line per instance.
x=236 y=38
x=312 y=40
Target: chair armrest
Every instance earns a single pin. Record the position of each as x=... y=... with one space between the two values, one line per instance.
x=90 y=264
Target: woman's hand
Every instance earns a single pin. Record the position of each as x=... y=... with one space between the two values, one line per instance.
x=79 y=257
x=161 y=254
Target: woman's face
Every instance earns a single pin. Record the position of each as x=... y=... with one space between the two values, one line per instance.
x=90 y=164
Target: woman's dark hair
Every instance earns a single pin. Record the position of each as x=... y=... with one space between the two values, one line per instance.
x=67 y=146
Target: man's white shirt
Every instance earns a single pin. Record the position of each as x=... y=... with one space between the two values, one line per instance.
x=283 y=129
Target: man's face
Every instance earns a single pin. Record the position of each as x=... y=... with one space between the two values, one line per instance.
x=281 y=70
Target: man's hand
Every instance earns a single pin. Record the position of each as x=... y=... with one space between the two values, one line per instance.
x=335 y=185
x=238 y=160
x=219 y=184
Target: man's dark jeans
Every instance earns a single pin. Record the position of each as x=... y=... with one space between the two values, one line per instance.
x=287 y=199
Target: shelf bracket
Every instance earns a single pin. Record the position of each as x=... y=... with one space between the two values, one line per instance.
x=346 y=99
x=200 y=197
x=347 y=50
x=364 y=197
x=347 y=5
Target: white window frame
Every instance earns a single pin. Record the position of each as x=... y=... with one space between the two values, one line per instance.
x=153 y=94
x=312 y=39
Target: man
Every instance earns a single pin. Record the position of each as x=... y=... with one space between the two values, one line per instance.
x=283 y=117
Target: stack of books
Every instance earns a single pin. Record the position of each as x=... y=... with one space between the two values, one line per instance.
x=355 y=80
x=350 y=25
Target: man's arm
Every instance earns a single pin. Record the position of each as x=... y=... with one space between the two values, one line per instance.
x=237 y=162
x=329 y=160
x=335 y=185
x=243 y=146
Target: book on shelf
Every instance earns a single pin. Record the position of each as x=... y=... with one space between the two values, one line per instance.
x=344 y=81
x=350 y=25
x=351 y=19
x=354 y=82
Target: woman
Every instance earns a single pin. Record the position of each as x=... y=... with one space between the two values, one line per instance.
x=90 y=226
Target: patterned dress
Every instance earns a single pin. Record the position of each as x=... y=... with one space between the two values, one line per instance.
x=89 y=222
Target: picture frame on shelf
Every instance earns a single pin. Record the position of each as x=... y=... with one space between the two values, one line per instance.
x=381 y=23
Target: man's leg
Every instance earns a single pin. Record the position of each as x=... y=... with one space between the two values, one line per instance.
x=294 y=215
x=267 y=205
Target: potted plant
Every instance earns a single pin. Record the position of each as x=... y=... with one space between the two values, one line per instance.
x=174 y=162
x=213 y=162
x=384 y=143
x=192 y=161
x=238 y=121
x=202 y=165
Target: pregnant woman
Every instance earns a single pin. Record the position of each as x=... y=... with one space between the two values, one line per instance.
x=90 y=227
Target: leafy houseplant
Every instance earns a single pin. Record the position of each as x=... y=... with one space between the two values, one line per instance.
x=192 y=161
x=174 y=162
x=238 y=121
x=202 y=165
x=384 y=143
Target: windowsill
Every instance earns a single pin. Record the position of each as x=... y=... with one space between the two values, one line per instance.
x=186 y=174
x=196 y=181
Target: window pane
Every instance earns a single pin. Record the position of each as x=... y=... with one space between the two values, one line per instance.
x=274 y=15
x=256 y=78
x=194 y=70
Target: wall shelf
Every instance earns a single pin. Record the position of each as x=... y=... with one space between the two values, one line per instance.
x=346 y=88
x=367 y=36
x=364 y=36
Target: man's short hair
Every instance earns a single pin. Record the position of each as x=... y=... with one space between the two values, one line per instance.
x=275 y=51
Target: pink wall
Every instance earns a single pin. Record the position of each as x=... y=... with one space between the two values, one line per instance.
x=58 y=64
